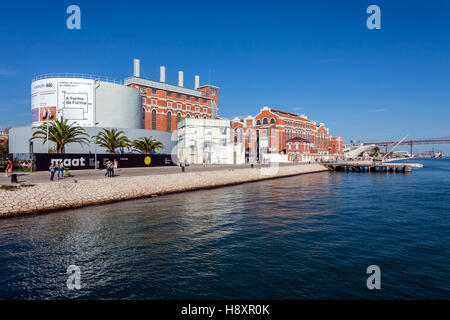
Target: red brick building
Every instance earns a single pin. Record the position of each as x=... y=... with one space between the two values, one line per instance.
x=165 y=105
x=298 y=149
x=271 y=129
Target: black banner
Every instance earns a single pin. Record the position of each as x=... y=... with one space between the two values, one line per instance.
x=79 y=161
x=232 y=310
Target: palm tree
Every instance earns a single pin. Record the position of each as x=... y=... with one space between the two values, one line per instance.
x=112 y=139
x=146 y=145
x=60 y=133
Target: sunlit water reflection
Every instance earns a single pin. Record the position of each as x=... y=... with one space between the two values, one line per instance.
x=309 y=236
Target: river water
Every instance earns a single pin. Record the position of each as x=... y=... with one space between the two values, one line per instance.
x=305 y=237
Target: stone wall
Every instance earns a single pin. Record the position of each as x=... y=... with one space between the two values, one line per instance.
x=45 y=197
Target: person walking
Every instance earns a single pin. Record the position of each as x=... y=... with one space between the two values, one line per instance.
x=52 y=171
x=115 y=166
x=8 y=170
x=57 y=168
x=111 y=169
x=60 y=167
x=107 y=168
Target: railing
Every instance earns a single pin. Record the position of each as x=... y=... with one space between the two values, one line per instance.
x=78 y=76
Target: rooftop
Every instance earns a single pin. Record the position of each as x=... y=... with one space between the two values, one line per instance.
x=163 y=86
x=77 y=76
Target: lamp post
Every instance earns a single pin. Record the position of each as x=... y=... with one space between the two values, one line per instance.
x=96 y=85
x=47 y=135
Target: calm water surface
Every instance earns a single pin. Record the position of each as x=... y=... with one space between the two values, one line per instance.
x=303 y=237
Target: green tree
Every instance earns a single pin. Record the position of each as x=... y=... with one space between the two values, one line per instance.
x=60 y=133
x=146 y=145
x=112 y=139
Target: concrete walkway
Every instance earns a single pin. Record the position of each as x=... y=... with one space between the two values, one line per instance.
x=44 y=176
x=93 y=188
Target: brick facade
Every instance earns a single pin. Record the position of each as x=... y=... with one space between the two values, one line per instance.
x=298 y=149
x=271 y=129
x=166 y=105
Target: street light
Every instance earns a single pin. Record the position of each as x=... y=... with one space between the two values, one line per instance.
x=47 y=114
x=96 y=85
x=47 y=135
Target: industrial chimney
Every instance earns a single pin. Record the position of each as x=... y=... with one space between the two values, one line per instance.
x=162 y=74
x=137 y=68
x=180 y=78
x=197 y=82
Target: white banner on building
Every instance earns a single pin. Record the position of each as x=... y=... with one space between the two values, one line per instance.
x=71 y=98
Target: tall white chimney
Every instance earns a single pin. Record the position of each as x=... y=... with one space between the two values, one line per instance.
x=136 y=68
x=197 y=82
x=162 y=74
x=180 y=78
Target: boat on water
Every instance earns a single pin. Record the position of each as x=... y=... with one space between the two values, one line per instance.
x=431 y=154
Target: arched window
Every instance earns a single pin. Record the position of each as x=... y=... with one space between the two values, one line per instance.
x=169 y=121
x=258 y=122
x=272 y=120
x=188 y=115
x=196 y=116
x=178 y=117
x=265 y=121
x=235 y=135
x=153 y=119
x=205 y=117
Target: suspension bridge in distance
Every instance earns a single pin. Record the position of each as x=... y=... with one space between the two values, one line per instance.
x=410 y=143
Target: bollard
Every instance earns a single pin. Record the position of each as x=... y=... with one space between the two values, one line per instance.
x=252 y=165
x=14 y=178
x=182 y=169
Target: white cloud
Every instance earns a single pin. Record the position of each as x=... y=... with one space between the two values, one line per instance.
x=23 y=101
x=378 y=110
x=6 y=72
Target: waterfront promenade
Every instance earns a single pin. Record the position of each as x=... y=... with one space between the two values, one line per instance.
x=89 y=187
x=44 y=176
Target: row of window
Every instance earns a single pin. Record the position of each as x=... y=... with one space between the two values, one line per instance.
x=169 y=119
x=288 y=134
x=154 y=103
x=180 y=96
x=272 y=121
x=265 y=121
x=298 y=124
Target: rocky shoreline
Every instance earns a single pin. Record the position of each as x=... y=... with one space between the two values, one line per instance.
x=45 y=197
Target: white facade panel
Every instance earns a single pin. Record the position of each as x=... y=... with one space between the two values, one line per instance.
x=53 y=97
x=86 y=102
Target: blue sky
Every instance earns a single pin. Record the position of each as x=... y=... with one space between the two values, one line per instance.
x=311 y=57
